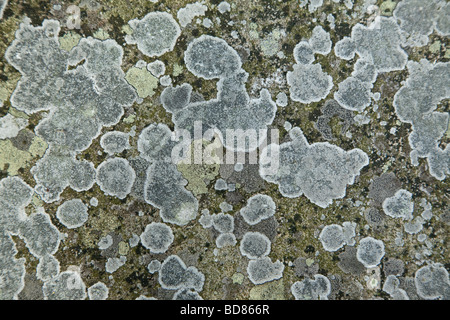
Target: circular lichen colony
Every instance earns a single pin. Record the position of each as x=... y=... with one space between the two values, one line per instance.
x=255 y=245
x=115 y=177
x=370 y=251
x=258 y=208
x=157 y=237
x=332 y=237
x=154 y=34
x=72 y=213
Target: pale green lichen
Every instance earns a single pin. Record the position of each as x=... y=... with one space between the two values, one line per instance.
x=271 y=44
x=101 y=34
x=123 y=248
x=387 y=7
x=177 y=70
x=238 y=278
x=435 y=47
x=18 y=114
x=38 y=147
x=127 y=29
x=69 y=40
x=130 y=119
x=142 y=80
x=4 y=94
x=199 y=175
x=273 y=290
x=12 y=158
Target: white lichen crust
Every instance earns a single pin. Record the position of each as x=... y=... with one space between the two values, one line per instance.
x=155 y=34
x=115 y=177
x=157 y=237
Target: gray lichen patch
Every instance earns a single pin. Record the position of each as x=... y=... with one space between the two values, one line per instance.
x=329 y=110
x=370 y=251
x=264 y=270
x=308 y=83
x=72 y=213
x=157 y=237
x=400 y=205
x=155 y=34
x=115 y=177
x=308 y=289
x=417 y=20
x=416 y=103
x=255 y=245
x=115 y=142
x=67 y=285
x=258 y=208
x=313 y=169
x=211 y=58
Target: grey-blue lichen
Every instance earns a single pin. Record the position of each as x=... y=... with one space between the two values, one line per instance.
x=320 y=171
x=72 y=213
x=155 y=34
x=157 y=237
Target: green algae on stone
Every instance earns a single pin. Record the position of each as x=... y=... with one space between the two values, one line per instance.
x=142 y=80
x=273 y=290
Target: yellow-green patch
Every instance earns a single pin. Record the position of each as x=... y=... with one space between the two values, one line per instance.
x=12 y=158
x=387 y=7
x=142 y=80
x=273 y=290
x=69 y=40
x=101 y=34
